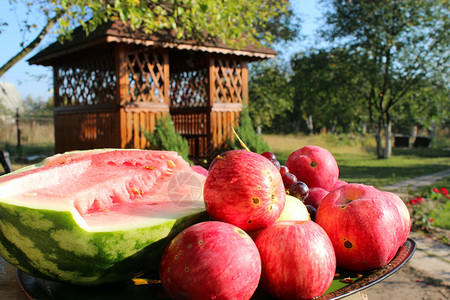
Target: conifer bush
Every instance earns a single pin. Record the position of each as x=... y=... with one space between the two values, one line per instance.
x=164 y=137
x=248 y=135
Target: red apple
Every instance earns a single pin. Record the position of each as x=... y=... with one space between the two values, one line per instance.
x=363 y=225
x=315 y=196
x=245 y=189
x=315 y=166
x=211 y=260
x=338 y=183
x=405 y=224
x=298 y=260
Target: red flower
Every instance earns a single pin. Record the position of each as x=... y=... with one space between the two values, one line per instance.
x=436 y=190
x=419 y=200
x=413 y=202
x=444 y=191
x=431 y=220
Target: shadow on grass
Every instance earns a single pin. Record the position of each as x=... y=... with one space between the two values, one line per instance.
x=385 y=175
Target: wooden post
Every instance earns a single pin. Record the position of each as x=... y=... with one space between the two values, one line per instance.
x=18 y=128
x=166 y=78
x=121 y=96
x=210 y=102
x=244 y=69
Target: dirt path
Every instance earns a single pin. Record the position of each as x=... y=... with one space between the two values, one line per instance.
x=409 y=284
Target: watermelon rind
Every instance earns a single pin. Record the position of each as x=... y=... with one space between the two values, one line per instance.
x=54 y=241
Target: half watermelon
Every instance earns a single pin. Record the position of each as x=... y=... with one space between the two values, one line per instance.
x=98 y=216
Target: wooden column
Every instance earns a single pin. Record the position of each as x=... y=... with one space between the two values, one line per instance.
x=122 y=87
x=121 y=74
x=244 y=69
x=211 y=100
x=166 y=78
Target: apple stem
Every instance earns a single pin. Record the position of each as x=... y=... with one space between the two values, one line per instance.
x=240 y=141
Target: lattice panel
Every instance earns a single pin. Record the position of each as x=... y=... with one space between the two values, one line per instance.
x=228 y=81
x=189 y=89
x=92 y=82
x=146 y=75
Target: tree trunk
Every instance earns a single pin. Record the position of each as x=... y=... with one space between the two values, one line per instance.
x=309 y=124
x=378 y=137
x=387 y=135
x=258 y=125
x=379 y=144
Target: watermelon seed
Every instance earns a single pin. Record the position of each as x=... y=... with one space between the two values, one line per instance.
x=168 y=269
x=256 y=200
x=136 y=192
x=176 y=257
x=258 y=187
x=313 y=164
x=179 y=252
x=149 y=167
x=186 y=269
x=170 y=164
x=249 y=221
x=200 y=242
x=30 y=194
x=270 y=207
x=273 y=197
x=190 y=246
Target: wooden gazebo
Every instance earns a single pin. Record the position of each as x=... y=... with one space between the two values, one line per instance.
x=110 y=86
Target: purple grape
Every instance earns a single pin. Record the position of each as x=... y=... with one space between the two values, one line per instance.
x=269 y=155
x=299 y=190
x=312 y=212
x=276 y=163
x=288 y=179
x=283 y=170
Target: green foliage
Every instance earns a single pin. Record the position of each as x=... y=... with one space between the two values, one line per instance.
x=405 y=42
x=248 y=135
x=164 y=137
x=228 y=20
x=270 y=94
x=323 y=94
x=37 y=107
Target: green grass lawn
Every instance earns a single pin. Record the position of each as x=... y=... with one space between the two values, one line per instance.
x=357 y=160
x=358 y=163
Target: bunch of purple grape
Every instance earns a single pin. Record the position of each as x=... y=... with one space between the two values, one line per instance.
x=293 y=186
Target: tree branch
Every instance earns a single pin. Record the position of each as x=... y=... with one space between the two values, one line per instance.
x=32 y=45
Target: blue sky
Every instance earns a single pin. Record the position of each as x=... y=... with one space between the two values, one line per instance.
x=36 y=81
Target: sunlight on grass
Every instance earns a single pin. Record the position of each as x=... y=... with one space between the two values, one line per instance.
x=357 y=160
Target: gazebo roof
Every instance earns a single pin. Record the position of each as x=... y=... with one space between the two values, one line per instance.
x=117 y=32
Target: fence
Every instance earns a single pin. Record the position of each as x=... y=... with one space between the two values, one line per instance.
x=20 y=130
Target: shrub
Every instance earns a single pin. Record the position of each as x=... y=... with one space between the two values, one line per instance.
x=248 y=135
x=164 y=137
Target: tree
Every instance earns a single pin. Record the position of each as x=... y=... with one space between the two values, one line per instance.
x=322 y=96
x=270 y=93
x=404 y=41
x=260 y=21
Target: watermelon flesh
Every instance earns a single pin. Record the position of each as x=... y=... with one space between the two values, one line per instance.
x=97 y=216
